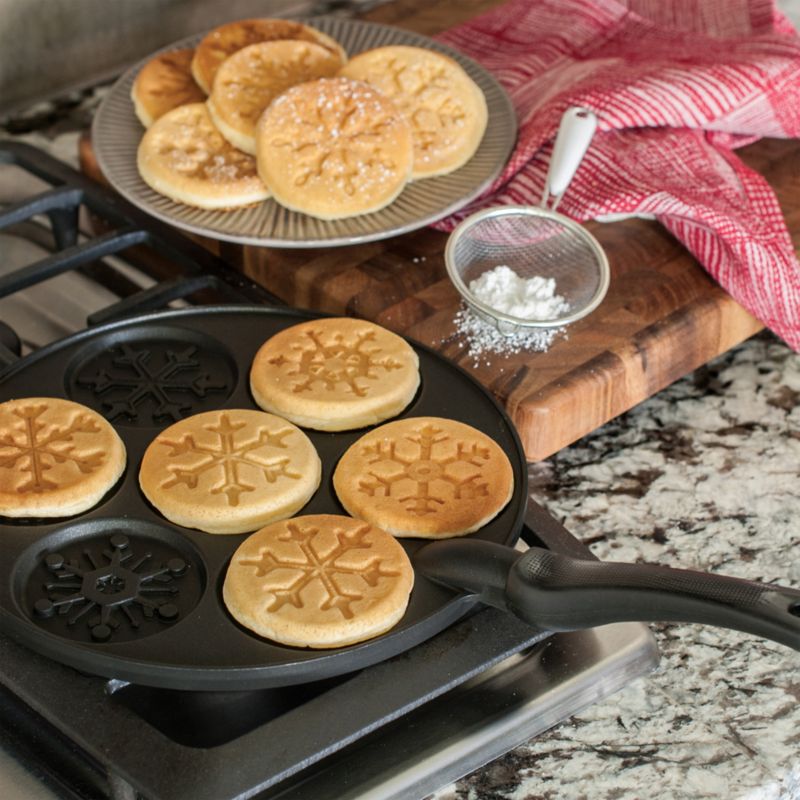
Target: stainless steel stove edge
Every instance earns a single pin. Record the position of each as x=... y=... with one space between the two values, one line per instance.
x=484 y=718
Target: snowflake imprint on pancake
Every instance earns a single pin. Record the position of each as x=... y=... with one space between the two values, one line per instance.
x=137 y=380
x=35 y=449
x=228 y=456
x=424 y=469
x=191 y=146
x=270 y=77
x=314 y=564
x=425 y=93
x=337 y=363
x=337 y=143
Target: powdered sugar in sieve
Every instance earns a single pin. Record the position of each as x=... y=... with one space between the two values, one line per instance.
x=502 y=289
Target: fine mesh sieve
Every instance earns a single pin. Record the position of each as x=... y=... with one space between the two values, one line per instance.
x=535 y=241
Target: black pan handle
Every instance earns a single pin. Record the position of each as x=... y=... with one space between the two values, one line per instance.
x=560 y=593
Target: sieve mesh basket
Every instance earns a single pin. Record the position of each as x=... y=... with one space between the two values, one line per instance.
x=530 y=241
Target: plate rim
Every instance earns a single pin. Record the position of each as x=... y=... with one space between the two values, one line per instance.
x=122 y=87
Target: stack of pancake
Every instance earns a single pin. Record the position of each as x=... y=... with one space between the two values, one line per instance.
x=273 y=108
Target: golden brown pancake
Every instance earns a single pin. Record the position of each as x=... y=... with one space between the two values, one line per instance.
x=57 y=458
x=183 y=156
x=318 y=581
x=444 y=106
x=229 y=471
x=335 y=374
x=248 y=81
x=163 y=83
x=333 y=148
x=225 y=40
x=424 y=476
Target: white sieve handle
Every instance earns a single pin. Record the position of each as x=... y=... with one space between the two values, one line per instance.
x=572 y=141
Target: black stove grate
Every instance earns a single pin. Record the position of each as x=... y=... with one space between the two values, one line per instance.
x=183 y=269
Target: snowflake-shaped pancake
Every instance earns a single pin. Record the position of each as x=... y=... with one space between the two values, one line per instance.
x=334 y=148
x=335 y=374
x=56 y=457
x=424 y=469
x=227 y=457
x=424 y=476
x=35 y=447
x=348 y=363
x=446 y=109
x=320 y=581
x=318 y=563
x=229 y=471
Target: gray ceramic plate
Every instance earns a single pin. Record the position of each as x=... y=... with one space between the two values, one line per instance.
x=116 y=133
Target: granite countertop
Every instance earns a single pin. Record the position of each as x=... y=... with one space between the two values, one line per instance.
x=703 y=475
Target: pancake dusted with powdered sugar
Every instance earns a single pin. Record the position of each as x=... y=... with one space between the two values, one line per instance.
x=184 y=157
x=334 y=148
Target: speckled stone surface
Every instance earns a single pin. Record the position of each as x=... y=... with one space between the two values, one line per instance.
x=705 y=475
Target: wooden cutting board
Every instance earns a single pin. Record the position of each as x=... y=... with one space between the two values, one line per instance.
x=663 y=316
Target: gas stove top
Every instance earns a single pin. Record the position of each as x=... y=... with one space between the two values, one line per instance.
x=401 y=728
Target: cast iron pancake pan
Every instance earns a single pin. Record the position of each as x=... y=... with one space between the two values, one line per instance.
x=121 y=592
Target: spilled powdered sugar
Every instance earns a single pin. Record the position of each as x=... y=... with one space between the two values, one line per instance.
x=485 y=340
x=504 y=290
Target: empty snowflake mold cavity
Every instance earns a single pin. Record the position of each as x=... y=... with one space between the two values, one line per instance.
x=319 y=581
x=424 y=476
x=152 y=379
x=57 y=457
x=229 y=471
x=335 y=374
x=109 y=580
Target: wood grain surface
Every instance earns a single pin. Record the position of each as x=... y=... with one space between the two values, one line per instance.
x=663 y=315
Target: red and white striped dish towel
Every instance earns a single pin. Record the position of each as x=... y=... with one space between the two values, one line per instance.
x=677 y=85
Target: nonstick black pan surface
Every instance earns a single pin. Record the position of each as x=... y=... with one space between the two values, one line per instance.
x=143 y=374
